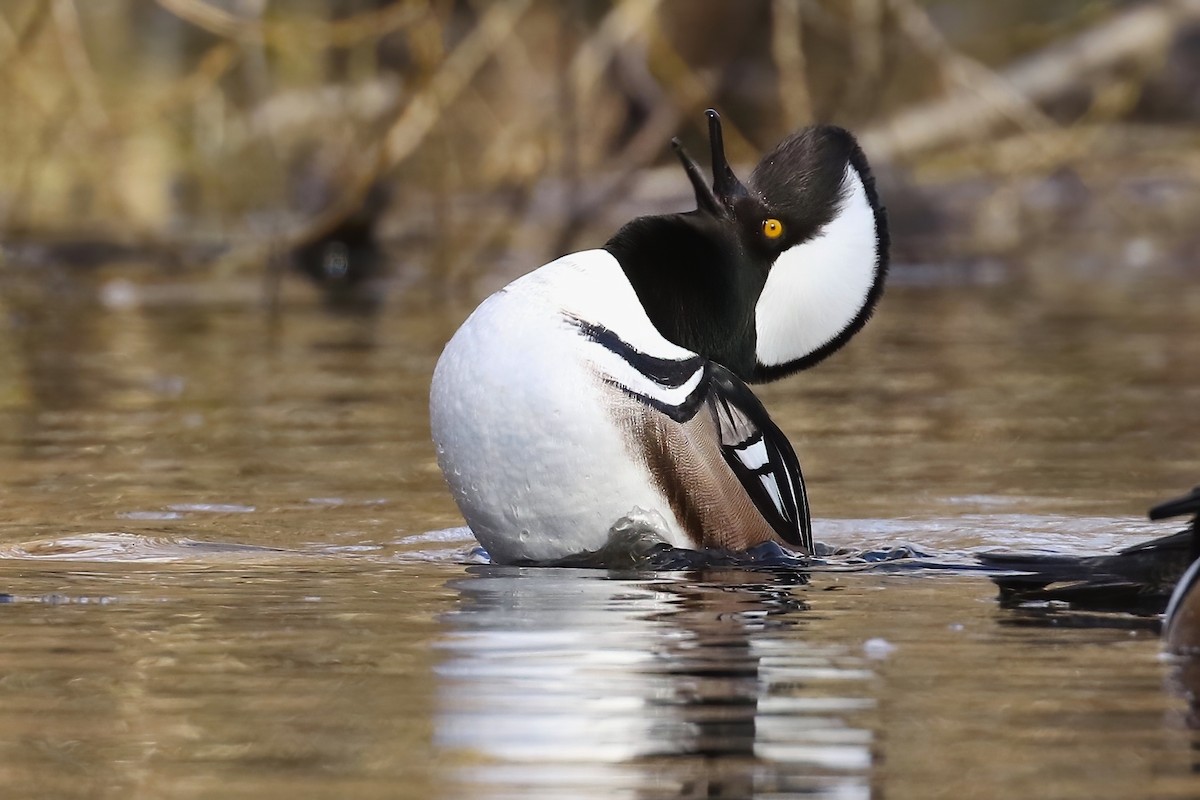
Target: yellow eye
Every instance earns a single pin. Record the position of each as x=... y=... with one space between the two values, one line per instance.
x=772 y=228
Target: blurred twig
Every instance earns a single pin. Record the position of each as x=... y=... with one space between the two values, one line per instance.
x=965 y=113
x=627 y=21
x=54 y=125
x=530 y=118
x=414 y=124
x=214 y=64
x=970 y=75
x=13 y=68
x=340 y=33
x=692 y=91
x=787 y=49
x=79 y=66
x=18 y=42
x=422 y=113
x=867 y=46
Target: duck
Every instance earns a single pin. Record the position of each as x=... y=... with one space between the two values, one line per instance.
x=608 y=390
x=1181 y=621
x=1137 y=579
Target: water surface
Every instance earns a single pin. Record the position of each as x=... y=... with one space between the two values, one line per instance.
x=230 y=567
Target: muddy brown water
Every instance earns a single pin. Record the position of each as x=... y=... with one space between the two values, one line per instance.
x=231 y=569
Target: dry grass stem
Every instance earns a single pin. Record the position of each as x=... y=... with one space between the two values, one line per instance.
x=964 y=114
x=313 y=32
x=787 y=50
x=260 y=126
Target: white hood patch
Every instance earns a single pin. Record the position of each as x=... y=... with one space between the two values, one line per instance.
x=816 y=289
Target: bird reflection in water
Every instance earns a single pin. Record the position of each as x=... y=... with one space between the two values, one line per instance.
x=581 y=683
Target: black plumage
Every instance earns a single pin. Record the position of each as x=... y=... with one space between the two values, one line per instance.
x=1138 y=579
x=699 y=274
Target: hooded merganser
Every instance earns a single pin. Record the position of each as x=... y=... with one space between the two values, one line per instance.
x=1138 y=579
x=609 y=386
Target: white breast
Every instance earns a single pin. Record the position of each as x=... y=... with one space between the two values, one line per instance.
x=532 y=455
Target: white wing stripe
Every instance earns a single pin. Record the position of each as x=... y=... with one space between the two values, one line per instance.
x=772 y=487
x=754 y=455
x=629 y=378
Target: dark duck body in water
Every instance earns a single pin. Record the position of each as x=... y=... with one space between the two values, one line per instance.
x=608 y=389
x=1137 y=579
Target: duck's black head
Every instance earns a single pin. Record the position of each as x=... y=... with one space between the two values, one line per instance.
x=771 y=277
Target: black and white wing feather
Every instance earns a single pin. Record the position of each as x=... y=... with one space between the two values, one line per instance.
x=760 y=456
x=756 y=451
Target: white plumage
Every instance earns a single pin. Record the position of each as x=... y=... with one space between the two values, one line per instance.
x=530 y=449
x=815 y=286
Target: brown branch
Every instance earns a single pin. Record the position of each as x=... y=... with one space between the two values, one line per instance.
x=692 y=86
x=626 y=21
x=867 y=42
x=693 y=92
x=965 y=114
x=787 y=50
x=78 y=64
x=582 y=75
x=214 y=65
x=969 y=74
x=331 y=33
x=15 y=69
x=415 y=123
x=20 y=41
x=25 y=186
x=421 y=115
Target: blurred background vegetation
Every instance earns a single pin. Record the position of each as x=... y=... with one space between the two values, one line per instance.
x=476 y=140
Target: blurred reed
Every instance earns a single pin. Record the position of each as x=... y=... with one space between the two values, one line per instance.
x=227 y=130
